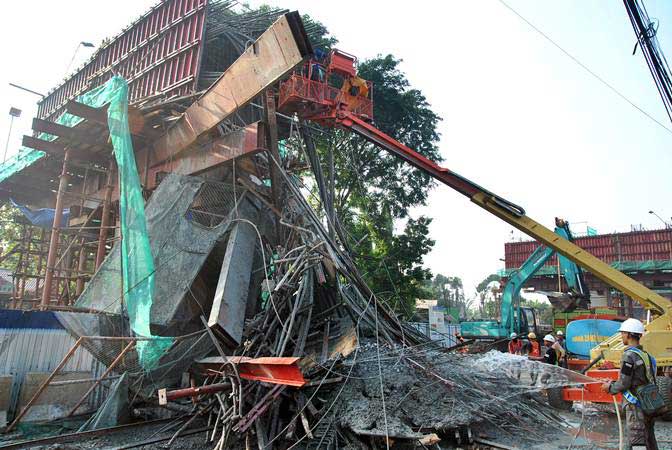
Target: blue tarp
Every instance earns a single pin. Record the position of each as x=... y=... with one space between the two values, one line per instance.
x=42 y=217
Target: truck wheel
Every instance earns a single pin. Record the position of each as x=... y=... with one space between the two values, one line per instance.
x=556 y=401
x=665 y=388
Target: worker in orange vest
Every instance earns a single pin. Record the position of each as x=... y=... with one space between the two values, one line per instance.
x=460 y=341
x=533 y=348
x=515 y=344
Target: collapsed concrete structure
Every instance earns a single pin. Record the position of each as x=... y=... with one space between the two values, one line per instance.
x=258 y=311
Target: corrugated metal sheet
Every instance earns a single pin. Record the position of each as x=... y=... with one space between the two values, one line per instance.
x=25 y=350
x=653 y=245
x=158 y=54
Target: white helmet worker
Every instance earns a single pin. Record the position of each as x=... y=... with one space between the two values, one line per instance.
x=632 y=326
x=513 y=336
x=560 y=333
x=549 y=338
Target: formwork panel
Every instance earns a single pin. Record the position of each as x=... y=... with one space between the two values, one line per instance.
x=169 y=35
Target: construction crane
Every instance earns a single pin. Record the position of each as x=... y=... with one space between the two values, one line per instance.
x=330 y=93
x=523 y=320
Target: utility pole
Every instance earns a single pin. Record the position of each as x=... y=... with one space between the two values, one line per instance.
x=667 y=225
x=13 y=112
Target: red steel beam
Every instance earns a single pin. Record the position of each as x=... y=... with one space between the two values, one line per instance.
x=159 y=54
x=284 y=371
x=207 y=156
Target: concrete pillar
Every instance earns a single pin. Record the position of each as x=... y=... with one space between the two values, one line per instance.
x=227 y=316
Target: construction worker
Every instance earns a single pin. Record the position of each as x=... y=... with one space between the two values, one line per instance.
x=460 y=341
x=561 y=347
x=515 y=344
x=532 y=348
x=550 y=354
x=560 y=336
x=638 y=368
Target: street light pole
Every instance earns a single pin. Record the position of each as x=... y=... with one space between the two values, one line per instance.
x=667 y=225
x=13 y=112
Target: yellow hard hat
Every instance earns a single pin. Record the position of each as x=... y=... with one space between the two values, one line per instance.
x=531 y=335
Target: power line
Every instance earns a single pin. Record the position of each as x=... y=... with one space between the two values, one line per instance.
x=584 y=67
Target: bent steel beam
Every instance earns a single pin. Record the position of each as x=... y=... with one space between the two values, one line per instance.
x=277 y=51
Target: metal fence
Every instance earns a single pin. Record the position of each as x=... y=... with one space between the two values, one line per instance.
x=444 y=338
x=34 y=342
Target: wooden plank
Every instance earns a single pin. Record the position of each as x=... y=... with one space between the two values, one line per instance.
x=277 y=51
x=97 y=115
x=55 y=129
x=56 y=149
x=49 y=147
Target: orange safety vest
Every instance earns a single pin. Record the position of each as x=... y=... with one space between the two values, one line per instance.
x=515 y=347
x=535 y=350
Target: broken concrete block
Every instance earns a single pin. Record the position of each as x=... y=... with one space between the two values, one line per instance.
x=115 y=409
x=227 y=316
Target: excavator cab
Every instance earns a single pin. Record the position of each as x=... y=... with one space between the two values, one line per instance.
x=324 y=88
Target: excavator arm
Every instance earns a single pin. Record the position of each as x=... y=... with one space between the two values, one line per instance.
x=319 y=100
x=658 y=339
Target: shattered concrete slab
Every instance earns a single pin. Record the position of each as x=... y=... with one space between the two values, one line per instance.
x=187 y=219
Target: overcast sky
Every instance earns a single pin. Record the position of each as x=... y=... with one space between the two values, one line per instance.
x=520 y=117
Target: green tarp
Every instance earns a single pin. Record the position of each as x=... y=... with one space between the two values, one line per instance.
x=137 y=265
x=27 y=156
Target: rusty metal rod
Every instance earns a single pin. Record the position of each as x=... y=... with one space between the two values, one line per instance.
x=102 y=377
x=105 y=218
x=53 y=242
x=193 y=391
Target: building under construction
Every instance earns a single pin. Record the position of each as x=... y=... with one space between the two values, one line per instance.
x=645 y=255
x=177 y=274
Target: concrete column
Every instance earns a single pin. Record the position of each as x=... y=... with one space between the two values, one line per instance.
x=228 y=307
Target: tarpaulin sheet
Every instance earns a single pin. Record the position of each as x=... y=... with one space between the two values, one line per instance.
x=137 y=265
x=42 y=217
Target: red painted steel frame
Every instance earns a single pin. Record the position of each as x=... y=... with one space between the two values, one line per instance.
x=276 y=370
x=158 y=54
x=592 y=392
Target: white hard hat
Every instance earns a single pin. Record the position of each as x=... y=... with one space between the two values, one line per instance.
x=513 y=336
x=560 y=333
x=549 y=338
x=632 y=326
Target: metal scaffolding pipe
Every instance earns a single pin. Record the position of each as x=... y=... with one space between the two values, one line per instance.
x=53 y=242
x=105 y=218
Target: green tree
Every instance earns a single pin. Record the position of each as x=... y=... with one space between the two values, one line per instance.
x=373 y=189
x=544 y=309
x=10 y=233
x=486 y=292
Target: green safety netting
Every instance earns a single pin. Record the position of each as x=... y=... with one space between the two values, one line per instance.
x=24 y=158
x=27 y=156
x=136 y=257
x=137 y=263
